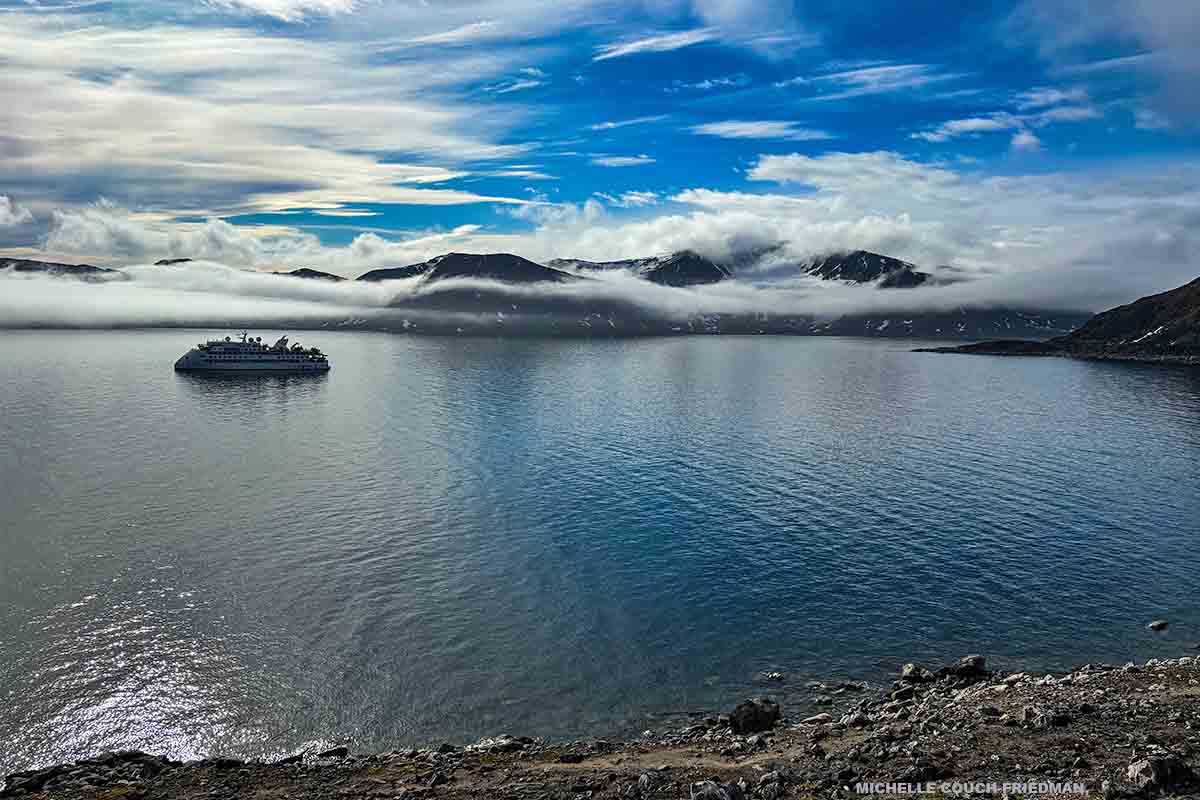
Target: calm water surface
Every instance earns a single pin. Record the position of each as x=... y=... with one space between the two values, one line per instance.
x=443 y=539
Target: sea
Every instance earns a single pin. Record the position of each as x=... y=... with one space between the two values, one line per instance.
x=449 y=538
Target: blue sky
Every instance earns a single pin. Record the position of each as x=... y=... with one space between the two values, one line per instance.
x=348 y=134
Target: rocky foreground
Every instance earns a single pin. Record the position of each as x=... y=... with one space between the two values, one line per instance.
x=1101 y=730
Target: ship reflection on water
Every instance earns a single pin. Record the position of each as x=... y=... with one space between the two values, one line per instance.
x=251 y=389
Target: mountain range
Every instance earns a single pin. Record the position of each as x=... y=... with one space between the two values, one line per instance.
x=490 y=308
x=680 y=269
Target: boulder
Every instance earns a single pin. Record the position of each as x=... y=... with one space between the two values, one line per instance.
x=1161 y=771
x=914 y=673
x=711 y=790
x=972 y=666
x=752 y=716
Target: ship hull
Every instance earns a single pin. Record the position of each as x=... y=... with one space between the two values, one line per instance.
x=254 y=368
x=196 y=361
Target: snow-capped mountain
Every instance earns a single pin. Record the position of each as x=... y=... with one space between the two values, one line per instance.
x=684 y=268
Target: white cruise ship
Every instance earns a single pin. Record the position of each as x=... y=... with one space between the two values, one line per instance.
x=250 y=355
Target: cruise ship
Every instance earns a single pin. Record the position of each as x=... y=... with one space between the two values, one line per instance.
x=250 y=354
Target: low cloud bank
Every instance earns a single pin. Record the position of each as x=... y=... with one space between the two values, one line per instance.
x=211 y=294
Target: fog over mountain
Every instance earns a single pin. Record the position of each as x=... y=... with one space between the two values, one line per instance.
x=502 y=293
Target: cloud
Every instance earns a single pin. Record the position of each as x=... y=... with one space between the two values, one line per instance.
x=967 y=126
x=1043 y=113
x=1147 y=119
x=518 y=85
x=844 y=172
x=202 y=122
x=624 y=123
x=871 y=80
x=728 y=81
x=622 y=161
x=11 y=214
x=107 y=232
x=464 y=34
x=347 y=212
x=657 y=43
x=1026 y=142
x=760 y=129
x=291 y=10
x=1161 y=33
x=524 y=172
x=1065 y=240
x=632 y=199
x=1049 y=96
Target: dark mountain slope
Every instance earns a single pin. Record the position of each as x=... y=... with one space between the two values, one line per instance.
x=863 y=266
x=314 y=274
x=495 y=266
x=1161 y=327
x=395 y=273
x=81 y=271
x=684 y=268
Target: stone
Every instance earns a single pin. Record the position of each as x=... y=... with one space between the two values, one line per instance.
x=499 y=744
x=914 y=673
x=817 y=719
x=711 y=790
x=1161 y=771
x=647 y=782
x=1158 y=625
x=856 y=719
x=972 y=666
x=341 y=751
x=570 y=758
x=753 y=716
x=1038 y=717
x=772 y=791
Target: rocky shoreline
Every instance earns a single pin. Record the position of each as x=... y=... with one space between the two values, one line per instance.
x=1100 y=730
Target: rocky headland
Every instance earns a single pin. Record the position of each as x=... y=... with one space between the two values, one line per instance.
x=1161 y=328
x=1101 y=730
